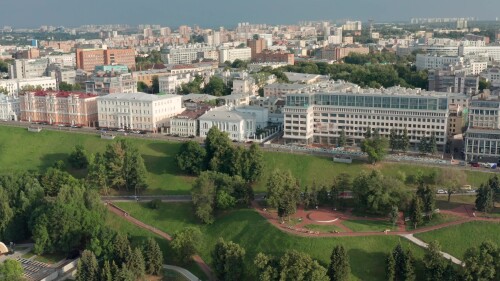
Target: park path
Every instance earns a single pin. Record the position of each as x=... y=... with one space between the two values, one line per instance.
x=186 y=273
x=425 y=245
x=196 y=258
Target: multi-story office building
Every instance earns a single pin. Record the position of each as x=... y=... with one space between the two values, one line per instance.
x=230 y=55
x=321 y=114
x=88 y=59
x=449 y=80
x=28 y=68
x=185 y=54
x=14 y=86
x=63 y=60
x=352 y=25
x=338 y=53
x=59 y=108
x=9 y=107
x=471 y=66
x=139 y=111
x=238 y=125
x=281 y=89
x=482 y=139
x=111 y=82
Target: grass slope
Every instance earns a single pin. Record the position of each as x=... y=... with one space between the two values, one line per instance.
x=255 y=234
x=457 y=239
x=22 y=150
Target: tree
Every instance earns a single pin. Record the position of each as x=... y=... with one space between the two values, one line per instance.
x=432 y=144
x=87 y=269
x=121 y=248
x=428 y=196
x=11 y=270
x=394 y=140
x=375 y=148
x=142 y=87
x=485 y=198
x=216 y=87
x=484 y=84
x=228 y=260
x=283 y=193
x=400 y=265
x=97 y=177
x=434 y=262
x=106 y=274
x=423 y=145
x=78 y=158
x=339 y=268
x=136 y=263
x=254 y=163
x=368 y=132
x=115 y=157
x=390 y=267
x=63 y=86
x=218 y=148
x=153 y=257
x=134 y=170
x=416 y=211
x=295 y=265
x=54 y=179
x=203 y=194
x=267 y=267
x=449 y=273
x=481 y=263
x=155 y=86
x=394 y=215
x=452 y=180
x=405 y=140
x=185 y=243
x=342 y=138
x=191 y=157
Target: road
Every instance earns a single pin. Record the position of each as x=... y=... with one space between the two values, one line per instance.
x=163 y=198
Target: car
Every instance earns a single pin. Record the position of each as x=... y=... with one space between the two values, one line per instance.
x=475 y=165
x=442 y=191
x=470 y=191
x=143 y=132
x=61 y=125
x=76 y=126
x=120 y=130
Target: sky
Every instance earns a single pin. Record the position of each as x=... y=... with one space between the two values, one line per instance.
x=215 y=13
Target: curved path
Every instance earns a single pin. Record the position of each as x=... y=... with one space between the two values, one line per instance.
x=186 y=273
x=199 y=261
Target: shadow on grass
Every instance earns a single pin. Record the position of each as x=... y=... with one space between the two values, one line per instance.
x=48 y=160
x=159 y=165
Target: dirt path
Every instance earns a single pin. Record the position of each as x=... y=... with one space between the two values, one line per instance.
x=122 y=213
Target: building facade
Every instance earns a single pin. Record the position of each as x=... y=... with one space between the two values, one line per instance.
x=10 y=109
x=110 y=83
x=230 y=55
x=66 y=108
x=186 y=123
x=14 y=86
x=320 y=115
x=443 y=80
x=138 y=111
x=88 y=59
x=239 y=126
x=28 y=68
x=482 y=139
x=185 y=54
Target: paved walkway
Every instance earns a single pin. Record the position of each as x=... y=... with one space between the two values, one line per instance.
x=186 y=273
x=425 y=245
x=206 y=269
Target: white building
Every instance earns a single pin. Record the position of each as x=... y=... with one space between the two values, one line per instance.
x=482 y=139
x=186 y=123
x=9 y=107
x=139 y=111
x=237 y=99
x=281 y=89
x=239 y=126
x=13 y=86
x=493 y=52
x=320 y=115
x=492 y=75
x=63 y=60
x=170 y=84
x=185 y=54
x=244 y=54
x=261 y=114
x=428 y=61
x=352 y=25
x=28 y=68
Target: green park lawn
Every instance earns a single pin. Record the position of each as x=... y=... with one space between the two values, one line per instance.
x=457 y=239
x=323 y=227
x=436 y=219
x=255 y=234
x=368 y=225
x=22 y=150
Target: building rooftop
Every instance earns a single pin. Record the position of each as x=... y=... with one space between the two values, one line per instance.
x=225 y=113
x=62 y=94
x=136 y=96
x=198 y=97
x=194 y=114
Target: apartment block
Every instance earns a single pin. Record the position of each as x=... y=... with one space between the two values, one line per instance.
x=67 y=108
x=103 y=83
x=230 y=55
x=449 y=80
x=186 y=54
x=273 y=57
x=28 y=68
x=14 y=86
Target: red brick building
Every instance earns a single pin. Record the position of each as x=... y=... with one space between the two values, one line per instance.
x=88 y=59
x=68 y=108
x=277 y=56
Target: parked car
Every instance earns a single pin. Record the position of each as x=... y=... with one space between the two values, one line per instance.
x=475 y=165
x=120 y=130
x=442 y=191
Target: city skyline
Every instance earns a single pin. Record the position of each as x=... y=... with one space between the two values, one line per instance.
x=208 y=13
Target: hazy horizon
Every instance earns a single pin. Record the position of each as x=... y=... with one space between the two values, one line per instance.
x=228 y=13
